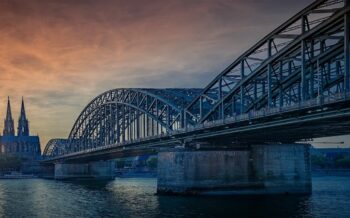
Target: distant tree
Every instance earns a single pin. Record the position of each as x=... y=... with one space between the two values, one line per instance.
x=318 y=161
x=343 y=162
x=120 y=163
x=338 y=157
x=152 y=162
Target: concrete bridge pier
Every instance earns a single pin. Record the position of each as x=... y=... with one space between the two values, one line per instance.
x=101 y=170
x=260 y=169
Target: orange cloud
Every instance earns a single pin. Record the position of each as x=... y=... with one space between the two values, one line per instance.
x=60 y=54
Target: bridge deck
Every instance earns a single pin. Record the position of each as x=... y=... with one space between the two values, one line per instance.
x=310 y=120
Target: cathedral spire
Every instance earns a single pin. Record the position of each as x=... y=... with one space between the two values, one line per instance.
x=9 y=129
x=23 y=111
x=23 y=127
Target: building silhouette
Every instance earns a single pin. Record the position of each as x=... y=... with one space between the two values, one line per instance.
x=23 y=144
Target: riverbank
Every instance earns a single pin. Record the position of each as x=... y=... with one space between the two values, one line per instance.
x=17 y=175
x=330 y=172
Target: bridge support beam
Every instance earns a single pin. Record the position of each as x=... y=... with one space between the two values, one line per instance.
x=261 y=169
x=103 y=170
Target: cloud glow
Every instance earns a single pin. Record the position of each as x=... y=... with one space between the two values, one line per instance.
x=61 y=54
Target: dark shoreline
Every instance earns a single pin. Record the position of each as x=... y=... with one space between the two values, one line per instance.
x=330 y=172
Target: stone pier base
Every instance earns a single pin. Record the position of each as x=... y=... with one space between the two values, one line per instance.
x=261 y=169
x=103 y=170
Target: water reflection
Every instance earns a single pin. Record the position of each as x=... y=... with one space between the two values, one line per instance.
x=136 y=198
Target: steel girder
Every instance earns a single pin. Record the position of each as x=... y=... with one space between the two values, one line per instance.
x=305 y=58
x=121 y=115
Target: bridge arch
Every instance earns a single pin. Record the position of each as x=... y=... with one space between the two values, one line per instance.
x=122 y=115
x=54 y=147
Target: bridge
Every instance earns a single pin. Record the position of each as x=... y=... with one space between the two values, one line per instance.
x=240 y=131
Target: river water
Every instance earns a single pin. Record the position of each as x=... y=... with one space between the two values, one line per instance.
x=135 y=197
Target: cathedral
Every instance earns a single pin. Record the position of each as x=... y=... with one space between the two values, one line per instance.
x=22 y=144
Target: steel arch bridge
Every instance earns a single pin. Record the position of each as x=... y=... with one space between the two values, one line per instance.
x=303 y=63
x=122 y=115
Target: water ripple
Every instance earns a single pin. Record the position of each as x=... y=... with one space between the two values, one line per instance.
x=136 y=198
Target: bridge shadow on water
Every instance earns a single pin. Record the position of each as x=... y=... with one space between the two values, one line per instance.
x=236 y=206
x=136 y=197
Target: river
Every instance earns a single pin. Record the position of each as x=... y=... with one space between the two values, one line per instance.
x=135 y=197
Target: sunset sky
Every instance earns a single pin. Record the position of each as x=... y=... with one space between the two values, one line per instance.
x=59 y=54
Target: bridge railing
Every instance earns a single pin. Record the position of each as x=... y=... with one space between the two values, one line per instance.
x=321 y=101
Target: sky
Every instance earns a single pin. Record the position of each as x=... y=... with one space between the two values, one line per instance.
x=60 y=54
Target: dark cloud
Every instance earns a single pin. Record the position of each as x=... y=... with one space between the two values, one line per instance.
x=28 y=62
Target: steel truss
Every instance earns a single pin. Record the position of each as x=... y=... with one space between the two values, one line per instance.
x=54 y=147
x=121 y=115
x=305 y=58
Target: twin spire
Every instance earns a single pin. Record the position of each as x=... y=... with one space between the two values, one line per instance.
x=9 y=129
x=23 y=127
